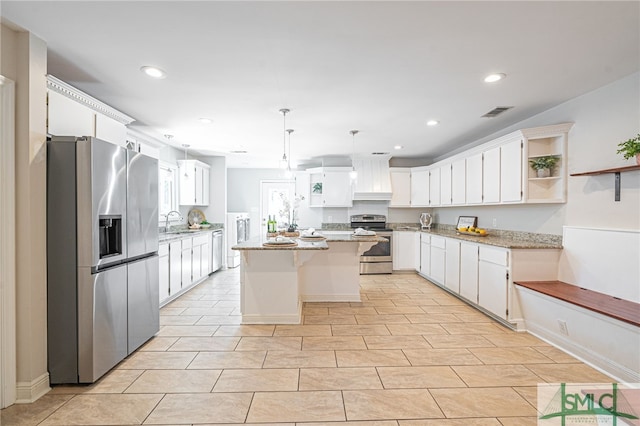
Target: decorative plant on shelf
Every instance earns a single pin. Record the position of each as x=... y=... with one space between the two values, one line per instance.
x=544 y=165
x=317 y=188
x=630 y=148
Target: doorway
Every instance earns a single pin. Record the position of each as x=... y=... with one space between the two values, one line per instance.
x=277 y=198
x=7 y=244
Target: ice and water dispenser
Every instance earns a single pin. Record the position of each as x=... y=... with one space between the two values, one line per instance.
x=110 y=231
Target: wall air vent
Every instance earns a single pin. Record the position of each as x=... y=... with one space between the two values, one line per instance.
x=379 y=153
x=238 y=152
x=497 y=111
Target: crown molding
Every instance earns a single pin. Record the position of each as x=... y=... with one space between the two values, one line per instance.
x=71 y=92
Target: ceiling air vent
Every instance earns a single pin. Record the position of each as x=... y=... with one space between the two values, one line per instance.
x=497 y=111
x=379 y=153
x=237 y=152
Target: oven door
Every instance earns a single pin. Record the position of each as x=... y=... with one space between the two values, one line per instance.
x=380 y=252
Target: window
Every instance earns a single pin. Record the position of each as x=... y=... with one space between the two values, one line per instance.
x=167 y=189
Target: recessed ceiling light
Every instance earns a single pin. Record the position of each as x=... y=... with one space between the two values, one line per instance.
x=153 y=72
x=492 y=78
x=204 y=120
x=398 y=147
x=433 y=123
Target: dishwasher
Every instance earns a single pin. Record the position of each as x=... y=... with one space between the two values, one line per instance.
x=216 y=250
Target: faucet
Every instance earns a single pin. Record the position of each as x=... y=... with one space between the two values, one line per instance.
x=166 y=223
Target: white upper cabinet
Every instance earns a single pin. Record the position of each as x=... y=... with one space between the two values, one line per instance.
x=458 y=182
x=474 y=179
x=419 y=188
x=71 y=112
x=330 y=187
x=446 y=197
x=400 y=187
x=491 y=176
x=511 y=172
x=434 y=187
x=194 y=183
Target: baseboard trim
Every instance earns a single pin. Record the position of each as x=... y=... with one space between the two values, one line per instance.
x=28 y=392
x=331 y=298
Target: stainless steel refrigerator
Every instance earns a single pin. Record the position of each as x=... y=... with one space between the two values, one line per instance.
x=102 y=243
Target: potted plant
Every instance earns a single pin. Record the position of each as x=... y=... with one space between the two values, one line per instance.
x=317 y=188
x=544 y=165
x=630 y=148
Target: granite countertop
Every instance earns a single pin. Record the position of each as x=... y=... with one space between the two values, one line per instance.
x=185 y=232
x=497 y=240
x=336 y=237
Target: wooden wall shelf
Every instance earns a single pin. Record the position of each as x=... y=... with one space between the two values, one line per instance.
x=615 y=171
x=605 y=171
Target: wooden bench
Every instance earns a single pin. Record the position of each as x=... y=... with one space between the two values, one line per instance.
x=623 y=310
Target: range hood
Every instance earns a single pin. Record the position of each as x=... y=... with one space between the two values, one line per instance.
x=374 y=180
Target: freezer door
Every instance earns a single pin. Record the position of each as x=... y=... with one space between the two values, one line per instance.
x=142 y=204
x=102 y=321
x=102 y=202
x=143 y=306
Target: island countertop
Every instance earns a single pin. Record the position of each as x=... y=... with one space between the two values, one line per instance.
x=333 y=236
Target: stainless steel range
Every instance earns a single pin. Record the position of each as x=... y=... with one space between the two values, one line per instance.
x=379 y=258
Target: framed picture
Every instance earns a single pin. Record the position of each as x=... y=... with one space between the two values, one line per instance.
x=467 y=221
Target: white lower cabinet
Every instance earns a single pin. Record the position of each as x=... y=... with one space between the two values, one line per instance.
x=437 y=257
x=416 y=250
x=201 y=255
x=403 y=250
x=175 y=267
x=187 y=265
x=469 y=271
x=493 y=280
x=452 y=265
x=425 y=254
x=163 y=276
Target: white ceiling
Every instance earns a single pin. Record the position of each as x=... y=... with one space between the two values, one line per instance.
x=384 y=68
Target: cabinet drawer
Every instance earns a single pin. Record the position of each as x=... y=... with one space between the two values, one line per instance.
x=438 y=242
x=200 y=239
x=163 y=250
x=494 y=255
x=187 y=243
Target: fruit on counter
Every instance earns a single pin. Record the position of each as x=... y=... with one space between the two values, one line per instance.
x=463 y=229
x=482 y=231
x=472 y=229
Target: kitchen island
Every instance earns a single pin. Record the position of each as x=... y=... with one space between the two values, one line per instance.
x=275 y=281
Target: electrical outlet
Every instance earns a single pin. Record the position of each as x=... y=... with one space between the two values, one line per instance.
x=563 y=327
x=495 y=222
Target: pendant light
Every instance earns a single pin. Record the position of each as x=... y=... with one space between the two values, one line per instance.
x=289 y=173
x=284 y=162
x=353 y=174
x=185 y=146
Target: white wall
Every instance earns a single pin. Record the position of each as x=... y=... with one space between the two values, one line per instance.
x=24 y=60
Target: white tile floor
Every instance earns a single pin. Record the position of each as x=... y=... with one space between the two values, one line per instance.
x=409 y=354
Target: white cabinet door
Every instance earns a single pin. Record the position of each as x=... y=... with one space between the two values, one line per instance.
x=452 y=265
x=511 y=172
x=205 y=253
x=163 y=275
x=437 y=260
x=491 y=176
x=416 y=250
x=110 y=130
x=420 y=188
x=175 y=267
x=469 y=271
x=425 y=255
x=67 y=117
x=434 y=187
x=403 y=250
x=337 y=190
x=187 y=265
x=205 y=186
x=458 y=182
x=474 y=179
x=196 y=263
x=492 y=288
x=198 y=185
x=400 y=188
x=187 y=176
x=445 y=185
